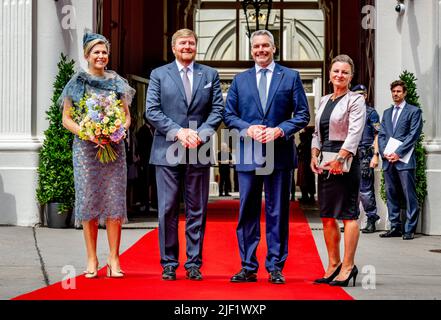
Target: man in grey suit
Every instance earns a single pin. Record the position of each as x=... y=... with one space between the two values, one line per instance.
x=184 y=104
x=403 y=122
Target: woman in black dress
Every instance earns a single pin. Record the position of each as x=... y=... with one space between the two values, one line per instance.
x=339 y=126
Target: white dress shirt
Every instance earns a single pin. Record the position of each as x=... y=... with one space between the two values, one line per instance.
x=189 y=72
x=269 y=75
x=401 y=105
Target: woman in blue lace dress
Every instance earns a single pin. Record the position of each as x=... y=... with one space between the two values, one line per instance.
x=100 y=189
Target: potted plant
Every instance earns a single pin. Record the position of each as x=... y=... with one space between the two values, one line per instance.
x=55 y=191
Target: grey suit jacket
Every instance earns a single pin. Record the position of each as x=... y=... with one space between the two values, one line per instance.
x=168 y=111
x=346 y=123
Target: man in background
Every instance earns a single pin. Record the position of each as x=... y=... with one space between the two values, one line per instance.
x=369 y=157
x=401 y=128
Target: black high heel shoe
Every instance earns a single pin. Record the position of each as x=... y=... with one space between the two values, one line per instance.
x=344 y=283
x=330 y=278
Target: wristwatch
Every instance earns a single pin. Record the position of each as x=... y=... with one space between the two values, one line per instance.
x=340 y=159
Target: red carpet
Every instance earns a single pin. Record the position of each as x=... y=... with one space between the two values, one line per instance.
x=221 y=261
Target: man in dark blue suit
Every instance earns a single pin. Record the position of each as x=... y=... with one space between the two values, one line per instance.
x=267 y=105
x=184 y=104
x=404 y=123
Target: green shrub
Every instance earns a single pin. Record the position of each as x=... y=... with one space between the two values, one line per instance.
x=55 y=170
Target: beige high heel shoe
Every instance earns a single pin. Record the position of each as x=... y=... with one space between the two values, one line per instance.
x=91 y=274
x=114 y=274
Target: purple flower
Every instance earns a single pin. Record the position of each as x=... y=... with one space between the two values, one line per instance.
x=118 y=134
x=94 y=115
x=90 y=103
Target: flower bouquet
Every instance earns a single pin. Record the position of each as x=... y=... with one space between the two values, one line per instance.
x=101 y=117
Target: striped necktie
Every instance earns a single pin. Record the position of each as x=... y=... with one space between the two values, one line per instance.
x=395 y=117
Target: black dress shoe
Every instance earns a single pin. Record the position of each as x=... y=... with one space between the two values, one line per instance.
x=408 y=236
x=392 y=233
x=194 y=273
x=370 y=227
x=169 y=273
x=330 y=278
x=244 y=276
x=276 y=277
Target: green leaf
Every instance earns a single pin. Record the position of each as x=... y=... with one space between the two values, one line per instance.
x=55 y=170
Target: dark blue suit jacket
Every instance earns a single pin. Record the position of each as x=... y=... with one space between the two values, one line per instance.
x=287 y=108
x=407 y=130
x=168 y=111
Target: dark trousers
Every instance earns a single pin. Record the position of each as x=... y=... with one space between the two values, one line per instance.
x=293 y=187
x=277 y=192
x=224 y=179
x=367 y=197
x=404 y=179
x=367 y=191
x=147 y=186
x=195 y=182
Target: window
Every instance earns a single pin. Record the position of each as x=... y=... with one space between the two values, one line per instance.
x=298 y=29
x=216 y=30
x=297 y=26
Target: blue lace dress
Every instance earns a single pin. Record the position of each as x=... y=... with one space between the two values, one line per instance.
x=100 y=189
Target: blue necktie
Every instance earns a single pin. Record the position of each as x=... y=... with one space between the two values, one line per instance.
x=395 y=117
x=262 y=88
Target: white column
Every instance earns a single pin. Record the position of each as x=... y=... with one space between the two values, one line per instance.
x=388 y=66
x=15 y=68
x=15 y=65
x=18 y=150
x=32 y=36
x=411 y=42
x=431 y=222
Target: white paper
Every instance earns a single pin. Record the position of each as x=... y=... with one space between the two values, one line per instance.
x=392 y=146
